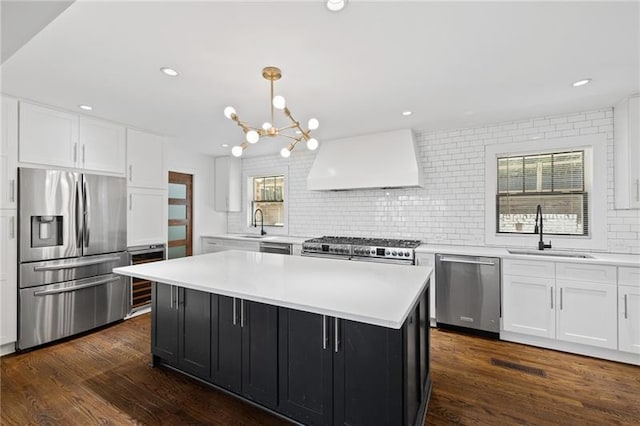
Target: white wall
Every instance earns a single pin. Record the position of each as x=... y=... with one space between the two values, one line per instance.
x=205 y=219
x=450 y=208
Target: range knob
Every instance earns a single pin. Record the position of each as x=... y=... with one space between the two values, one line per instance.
x=373 y=252
x=394 y=253
x=387 y=252
x=406 y=254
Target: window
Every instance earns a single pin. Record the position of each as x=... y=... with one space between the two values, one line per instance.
x=555 y=181
x=268 y=196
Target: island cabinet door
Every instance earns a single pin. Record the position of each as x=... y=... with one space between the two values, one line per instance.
x=226 y=343
x=305 y=367
x=164 y=322
x=194 y=332
x=259 y=324
x=368 y=374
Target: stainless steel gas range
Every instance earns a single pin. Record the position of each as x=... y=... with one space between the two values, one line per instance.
x=381 y=250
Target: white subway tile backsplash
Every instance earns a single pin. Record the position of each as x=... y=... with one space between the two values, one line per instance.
x=449 y=209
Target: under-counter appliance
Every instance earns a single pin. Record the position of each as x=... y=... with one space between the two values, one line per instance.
x=273 y=247
x=140 y=289
x=468 y=293
x=382 y=250
x=72 y=233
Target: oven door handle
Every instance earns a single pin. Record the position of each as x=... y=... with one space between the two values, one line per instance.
x=381 y=260
x=77 y=287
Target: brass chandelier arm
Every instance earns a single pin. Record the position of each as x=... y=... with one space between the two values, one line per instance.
x=245 y=127
x=306 y=135
x=291 y=137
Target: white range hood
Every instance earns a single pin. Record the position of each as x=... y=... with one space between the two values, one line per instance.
x=380 y=160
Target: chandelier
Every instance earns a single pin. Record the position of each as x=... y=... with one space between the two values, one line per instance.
x=253 y=134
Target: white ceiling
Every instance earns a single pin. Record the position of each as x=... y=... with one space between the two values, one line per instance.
x=453 y=64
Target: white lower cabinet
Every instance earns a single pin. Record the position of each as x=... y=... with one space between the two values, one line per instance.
x=629 y=309
x=212 y=245
x=146 y=216
x=8 y=277
x=568 y=302
x=587 y=313
x=528 y=305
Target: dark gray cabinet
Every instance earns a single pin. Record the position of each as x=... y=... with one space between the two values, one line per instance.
x=305 y=367
x=244 y=349
x=344 y=372
x=315 y=369
x=181 y=328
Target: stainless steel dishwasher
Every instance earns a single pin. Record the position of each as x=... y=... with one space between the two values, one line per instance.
x=280 y=248
x=468 y=293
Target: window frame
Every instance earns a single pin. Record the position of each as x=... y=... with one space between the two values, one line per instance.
x=595 y=183
x=247 y=178
x=523 y=192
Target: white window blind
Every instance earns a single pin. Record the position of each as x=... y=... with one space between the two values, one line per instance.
x=555 y=181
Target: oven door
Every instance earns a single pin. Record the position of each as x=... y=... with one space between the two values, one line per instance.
x=382 y=260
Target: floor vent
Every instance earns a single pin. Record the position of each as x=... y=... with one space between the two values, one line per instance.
x=519 y=367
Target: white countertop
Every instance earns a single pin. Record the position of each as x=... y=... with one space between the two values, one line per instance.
x=272 y=238
x=502 y=252
x=373 y=293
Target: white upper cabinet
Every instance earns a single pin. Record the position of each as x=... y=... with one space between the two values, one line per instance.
x=146 y=216
x=626 y=131
x=48 y=136
x=8 y=153
x=228 y=184
x=146 y=164
x=102 y=146
x=60 y=139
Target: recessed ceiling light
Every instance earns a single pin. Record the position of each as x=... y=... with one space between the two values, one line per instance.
x=224 y=145
x=85 y=107
x=336 y=5
x=169 y=71
x=406 y=113
x=581 y=82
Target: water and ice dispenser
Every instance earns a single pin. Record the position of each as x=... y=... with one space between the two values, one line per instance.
x=46 y=231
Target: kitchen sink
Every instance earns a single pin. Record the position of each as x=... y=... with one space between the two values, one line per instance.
x=551 y=253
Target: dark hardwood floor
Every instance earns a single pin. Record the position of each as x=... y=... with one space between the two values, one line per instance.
x=105 y=378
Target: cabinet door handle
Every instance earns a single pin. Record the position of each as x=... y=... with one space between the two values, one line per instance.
x=171 y=298
x=83 y=152
x=551 y=297
x=561 y=298
x=12 y=190
x=625 y=307
x=324 y=332
x=235 y=312
x=12 y=228
x=336 y=340
x=241 y=313
x=130 y=173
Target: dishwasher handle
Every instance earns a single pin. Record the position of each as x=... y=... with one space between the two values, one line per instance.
x=471 y=262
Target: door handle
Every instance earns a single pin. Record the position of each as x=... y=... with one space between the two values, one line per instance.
x=130 y=173
x=625 y=307
x=171 y=297
x=336 y=339
x=235 y=313
x=12 y=227
x=83 y=151
x=76 y=264
x=324 y=332
x=471 y=262
x=551 y=297
x=86 y=229
x=77 y=212
x=561 y=298
x=241 y=313
x=12 y=190
x=74 y=288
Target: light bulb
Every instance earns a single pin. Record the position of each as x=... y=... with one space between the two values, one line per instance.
x=237 y=151
x=312 y=144
x=279 y=102
x=313 y=123
x=285 y=152
x=335 y=5
x=229 y=111
x=252 y=136
x=266 y=125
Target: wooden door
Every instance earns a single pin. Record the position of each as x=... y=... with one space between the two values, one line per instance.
x=180 y=215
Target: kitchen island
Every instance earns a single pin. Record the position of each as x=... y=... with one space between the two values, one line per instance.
x=319 y=341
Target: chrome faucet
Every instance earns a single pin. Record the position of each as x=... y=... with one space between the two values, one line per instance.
x=538 y=230
x=255 y=221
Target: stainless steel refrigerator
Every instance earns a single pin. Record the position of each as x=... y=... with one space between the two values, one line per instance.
x=72 y=233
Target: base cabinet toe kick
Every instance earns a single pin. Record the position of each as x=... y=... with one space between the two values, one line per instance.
x=309 y=368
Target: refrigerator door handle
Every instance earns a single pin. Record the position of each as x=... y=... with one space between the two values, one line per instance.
x=77 y=287
x=76 y=264
x=86 y=229
x=77 y=213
